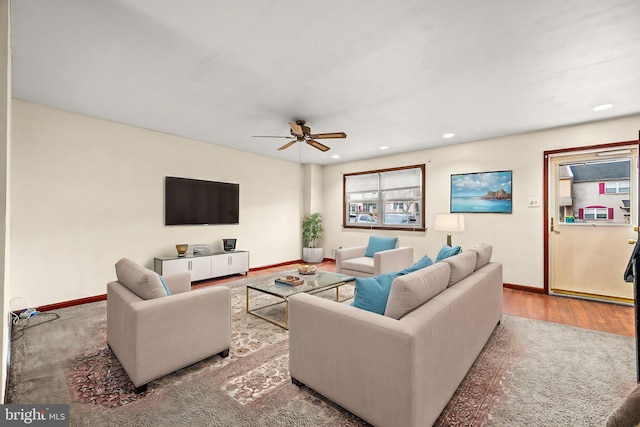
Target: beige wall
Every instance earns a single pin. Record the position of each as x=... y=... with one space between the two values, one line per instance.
x=518 y=237
x=5 y=100
x=86 y=192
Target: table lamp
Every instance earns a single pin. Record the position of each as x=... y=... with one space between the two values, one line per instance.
x=449 y=223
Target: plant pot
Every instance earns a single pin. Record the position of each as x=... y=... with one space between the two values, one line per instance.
x=313 y=255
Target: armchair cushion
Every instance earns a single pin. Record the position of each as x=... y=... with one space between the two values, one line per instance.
x=141 y=281
x=362 y=264
x=378 y=244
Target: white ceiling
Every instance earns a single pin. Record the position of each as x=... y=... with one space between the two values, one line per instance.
x=395 y=73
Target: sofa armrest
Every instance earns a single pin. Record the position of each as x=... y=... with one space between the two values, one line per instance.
x=353 y=357
x=178 y=283
x=348 y=253
x=392 y=260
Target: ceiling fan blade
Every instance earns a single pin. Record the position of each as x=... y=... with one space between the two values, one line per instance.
x=296 y=129
x=317 y=145
x=329 y=135
x=288 y=144
x=270 y=136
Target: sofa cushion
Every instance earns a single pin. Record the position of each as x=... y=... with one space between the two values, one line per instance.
x=139 y=280
x=371 y=293
x=378 y=244
x=447 y=251
x=484 y=252
x=411 y=291
x=425 y=261
x=461 y=265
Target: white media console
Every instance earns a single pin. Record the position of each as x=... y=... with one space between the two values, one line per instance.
x=204 y=267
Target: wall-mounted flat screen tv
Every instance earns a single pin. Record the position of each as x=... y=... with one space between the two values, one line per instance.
x=198 y=202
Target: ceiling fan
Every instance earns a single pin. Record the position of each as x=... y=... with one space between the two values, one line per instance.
x=301 y=133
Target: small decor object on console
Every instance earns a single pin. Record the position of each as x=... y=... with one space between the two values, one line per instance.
x=307 y=269
x=201 y=250
x=182 y=249
x=289 y=281
x=229 y=245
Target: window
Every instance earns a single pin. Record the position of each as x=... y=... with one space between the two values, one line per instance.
x=616 y=187
x=386 y=199
x=595 y=213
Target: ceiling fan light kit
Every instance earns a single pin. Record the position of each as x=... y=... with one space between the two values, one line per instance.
x=302 y=133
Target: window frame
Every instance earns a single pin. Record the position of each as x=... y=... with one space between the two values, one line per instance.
x=380 y=201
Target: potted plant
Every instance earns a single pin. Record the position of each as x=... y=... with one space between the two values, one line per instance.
x=312 y=230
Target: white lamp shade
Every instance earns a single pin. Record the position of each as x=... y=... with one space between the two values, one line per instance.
x=449 y=222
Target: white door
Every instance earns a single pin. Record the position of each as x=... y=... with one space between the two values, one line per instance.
x=592 y=212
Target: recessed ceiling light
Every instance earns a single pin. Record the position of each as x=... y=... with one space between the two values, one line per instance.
x=335 y=156
x=384 y=147
x=602 y=107
x=448 y=135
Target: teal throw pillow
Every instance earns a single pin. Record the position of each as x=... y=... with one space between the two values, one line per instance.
x=166 y=288
x=425 y=261
x=372 y=293
x=377 y=244
x=448 y=251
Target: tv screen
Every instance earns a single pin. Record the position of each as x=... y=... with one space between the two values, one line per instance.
x=197 y=202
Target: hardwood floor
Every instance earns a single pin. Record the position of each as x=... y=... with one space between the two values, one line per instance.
x=598 y=316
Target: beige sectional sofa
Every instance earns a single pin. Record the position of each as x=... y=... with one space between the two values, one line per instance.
x=401 y=368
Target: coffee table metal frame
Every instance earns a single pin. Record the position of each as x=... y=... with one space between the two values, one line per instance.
x=318 y=282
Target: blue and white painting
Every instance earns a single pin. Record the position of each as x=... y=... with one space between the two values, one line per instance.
x=481 y=192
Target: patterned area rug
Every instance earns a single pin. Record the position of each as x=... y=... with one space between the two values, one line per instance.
x=513 y=382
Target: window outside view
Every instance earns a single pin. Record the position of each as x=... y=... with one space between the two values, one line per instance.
x=595 y=192
x=385 y=199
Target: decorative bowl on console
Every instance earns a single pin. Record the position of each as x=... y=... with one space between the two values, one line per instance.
x=182 y=249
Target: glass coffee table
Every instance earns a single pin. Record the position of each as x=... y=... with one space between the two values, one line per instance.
x=313 y=283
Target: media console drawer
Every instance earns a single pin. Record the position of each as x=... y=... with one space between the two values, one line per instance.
x=203 y=267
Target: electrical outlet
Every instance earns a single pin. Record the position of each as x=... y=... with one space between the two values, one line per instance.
x=534 y=202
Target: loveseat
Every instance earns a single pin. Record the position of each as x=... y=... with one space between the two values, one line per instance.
x=400 y=368
x=157 y=325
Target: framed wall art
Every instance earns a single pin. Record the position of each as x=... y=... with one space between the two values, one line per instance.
x=481 y=192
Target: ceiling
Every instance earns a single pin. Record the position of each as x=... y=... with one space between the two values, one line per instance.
x=398 y=74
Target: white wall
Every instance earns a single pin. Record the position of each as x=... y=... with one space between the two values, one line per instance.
x=517 y=238
x=86 y=192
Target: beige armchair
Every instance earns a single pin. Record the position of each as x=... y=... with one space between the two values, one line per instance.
x=353 y=262
x=153 y=334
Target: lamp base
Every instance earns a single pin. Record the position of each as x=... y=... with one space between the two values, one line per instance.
x=449 y=240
